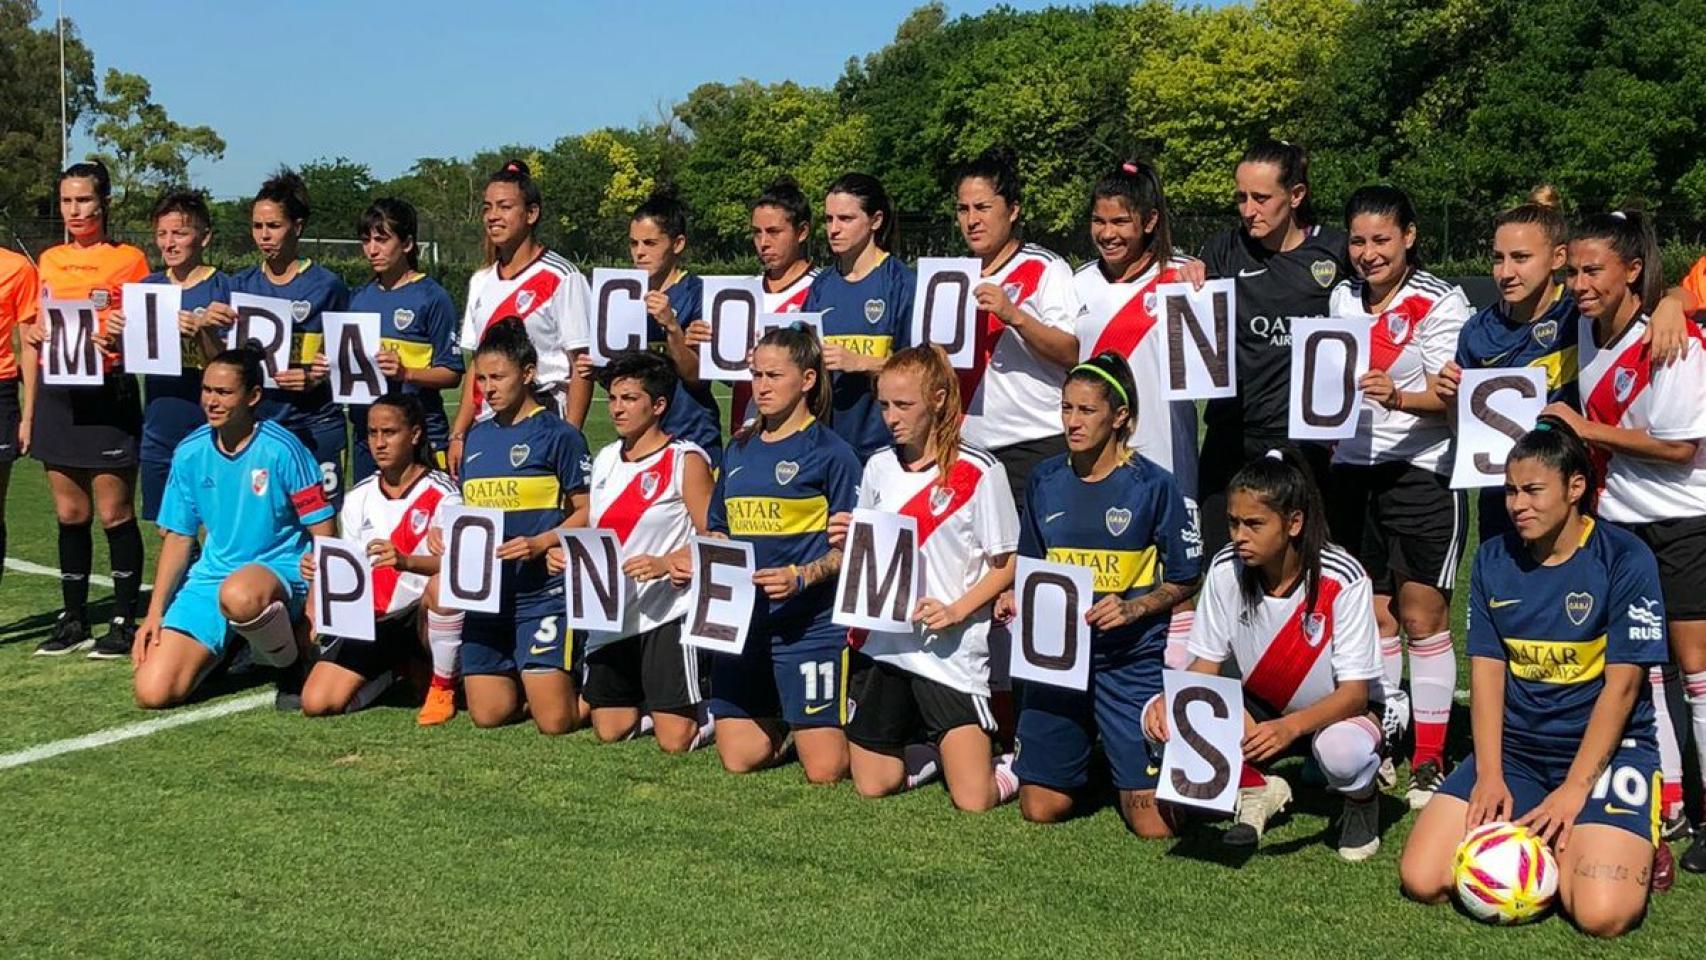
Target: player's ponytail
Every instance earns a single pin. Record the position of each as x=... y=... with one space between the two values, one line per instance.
x=393 y=216
x=1292 y=162
x=1555 y=444
x=1543 y=209
x=935 y=376
x=1284 y=484
x=1137 y=187
x=508 y=338
x=1630 y=235
x=287 y=189
x=874 y=201
x=1109 y=373
x=408 y=406
x=805 y=353
x=665 y=208
x=94 y=171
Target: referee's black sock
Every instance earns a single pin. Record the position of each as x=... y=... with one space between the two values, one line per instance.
x=76 y=556
x=124 y=543
x=2 y=543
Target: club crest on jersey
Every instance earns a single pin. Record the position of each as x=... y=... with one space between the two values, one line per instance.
x=417 y=521
x=1150 y=302
x=1324 y=272
x=1622 y=382
x=523 y=300
x=258 y=480
x=100 y=298
x=518 y=454
x=649 y=484
x=1577 y=606
x=874 y=309
x=786 y=471
x=401 y=318
x=940 y=498
x=300 y=310
x=198 y=312
x=1546 y=332
x=1397 y=327
x=1012 y=290
x=1117 y=519
x=1314 y=628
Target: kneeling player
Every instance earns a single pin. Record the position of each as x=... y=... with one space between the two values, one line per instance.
x=1565 y=617
x=256 y=490
x=1296 y=616
x=390 y=513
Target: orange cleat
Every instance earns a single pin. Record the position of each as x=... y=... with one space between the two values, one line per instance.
x=439 y=707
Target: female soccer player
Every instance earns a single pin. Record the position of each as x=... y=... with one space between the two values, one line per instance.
x=86 y=437
x=418 y=354
x=865 y=296
x=533 y=466
x=1566 y=615
x=652 y=490
x=932 y=684
x=389 y=513
x=1026 y=338
x=782 y=479
x=302 y=402
x=1292 y=612
x=255 y=491
x=20 y=291
x=1393 y=505
x=1284 y=265
x=1102 y=507
x=528 y=281
x=1645 y=423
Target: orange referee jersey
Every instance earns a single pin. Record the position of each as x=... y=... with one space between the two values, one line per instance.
x=20 y=289
x=1695 y=283
x=97 y=273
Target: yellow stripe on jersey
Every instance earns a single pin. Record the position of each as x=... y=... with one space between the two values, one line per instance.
x=513 y=493
x=1550 y=661
x=865 y=346
x=1560 y=367
x=776 y=517
x=413 y=353
x=305 y=347
x=1116 y=570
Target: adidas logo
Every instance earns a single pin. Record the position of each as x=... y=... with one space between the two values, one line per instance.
x=207 y=483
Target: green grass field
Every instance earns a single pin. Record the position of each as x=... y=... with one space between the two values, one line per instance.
x=266 y=835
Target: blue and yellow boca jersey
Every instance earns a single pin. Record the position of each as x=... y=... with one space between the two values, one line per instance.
x=174 y=403
x=692 y=413
x=778 y=496
x=1131 y=527
x=313 y=291
x=256 y=505
x=872 y=317
x=419 y=323
x=526 y=469
x=1490 y=339
x=1556 y=629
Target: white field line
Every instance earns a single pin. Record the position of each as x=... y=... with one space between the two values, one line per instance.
x=24 y=566
x=131 y=731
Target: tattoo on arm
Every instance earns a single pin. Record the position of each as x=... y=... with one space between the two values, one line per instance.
x=1162 y=598
x=823 y=568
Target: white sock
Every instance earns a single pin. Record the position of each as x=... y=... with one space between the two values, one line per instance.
x=642 y=728
x=1695 y=686
x=1670 y=752
x=444 y=641
x=1178 y=655
x=1392 y=660
x=272 y=639
x=1433 y=679
x=1006 y=782
x=707 y=734
x=923 y=764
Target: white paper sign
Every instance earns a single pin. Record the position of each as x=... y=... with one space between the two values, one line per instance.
x=1205 y=726
x=69 y=357
x=1200 y=346
x=1494 y=409
x=770 y=321
x=732 y=305
x=944 y=310
x=352 y=356
x=471 y=578
x=268 y=320
x=594 y=587
x=881 y=573
x=618 y=313
x=1051 y=638
x=1329 y=355
x=152 y=343
x=721 y=596
x=343 y=589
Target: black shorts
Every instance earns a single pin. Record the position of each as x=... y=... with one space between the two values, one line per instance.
x=892 y=708
x=1020 y=459
x=1680 y=547
x=395 y=642
x=651 y=669
x=1401 y=522
x=1224 y=453
x=88 y=428
x=9 y=419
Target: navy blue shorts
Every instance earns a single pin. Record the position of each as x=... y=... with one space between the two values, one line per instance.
x=153 y=475
x=505 y=644
x=1626 y=795
x=798 y=675
x=1058 y=727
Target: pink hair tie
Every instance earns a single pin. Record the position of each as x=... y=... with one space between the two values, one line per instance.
x=1129 y=167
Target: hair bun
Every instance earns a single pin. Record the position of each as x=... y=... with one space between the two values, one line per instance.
x=1545 y=195
x=517 y=167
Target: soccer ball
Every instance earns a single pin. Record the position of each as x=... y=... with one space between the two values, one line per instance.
x=1504 y=874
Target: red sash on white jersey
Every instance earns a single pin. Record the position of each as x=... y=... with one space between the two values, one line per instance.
x=624 y=512
x=1394 y=328
x=410 y=531
x=1294 y=651
x=1132 y=322
x=1608 y=401
x=929 y=507
x=1019 y=284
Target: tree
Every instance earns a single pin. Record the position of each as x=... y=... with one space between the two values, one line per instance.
x=145 y=150
x=338 y=191
x=29 y=106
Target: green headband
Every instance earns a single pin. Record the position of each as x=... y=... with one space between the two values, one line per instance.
x=1105 y=375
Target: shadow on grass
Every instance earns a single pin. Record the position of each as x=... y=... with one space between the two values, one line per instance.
x=37 y=627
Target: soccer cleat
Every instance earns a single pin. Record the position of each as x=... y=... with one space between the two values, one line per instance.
x=1256 y=806
x=69 y=636
x=116 y=644
x=1664 y=869
x=1674 y=827
x=1387 y=775
x=1395 y=716
x=1425 y=781
x=288 y=698
x=1359 y=828
x=1694 y=860
x=439 y=708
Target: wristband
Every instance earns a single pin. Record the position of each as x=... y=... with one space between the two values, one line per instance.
x=799 y=578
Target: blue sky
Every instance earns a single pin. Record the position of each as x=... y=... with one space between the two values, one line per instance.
x=386 y=82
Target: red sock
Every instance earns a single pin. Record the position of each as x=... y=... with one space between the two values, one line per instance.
x=1251 y=777
x=1430 y=744
x=1670 y=797
x=443 y=683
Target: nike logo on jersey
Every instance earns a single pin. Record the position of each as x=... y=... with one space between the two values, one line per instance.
x=735 y=471
x=814 y=711
x=1501 y=604
x=470 y=458
x=1054 y=516
x=537 y=650
x=1252 y=273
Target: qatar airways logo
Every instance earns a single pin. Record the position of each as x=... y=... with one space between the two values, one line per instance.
x=1271 y=329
